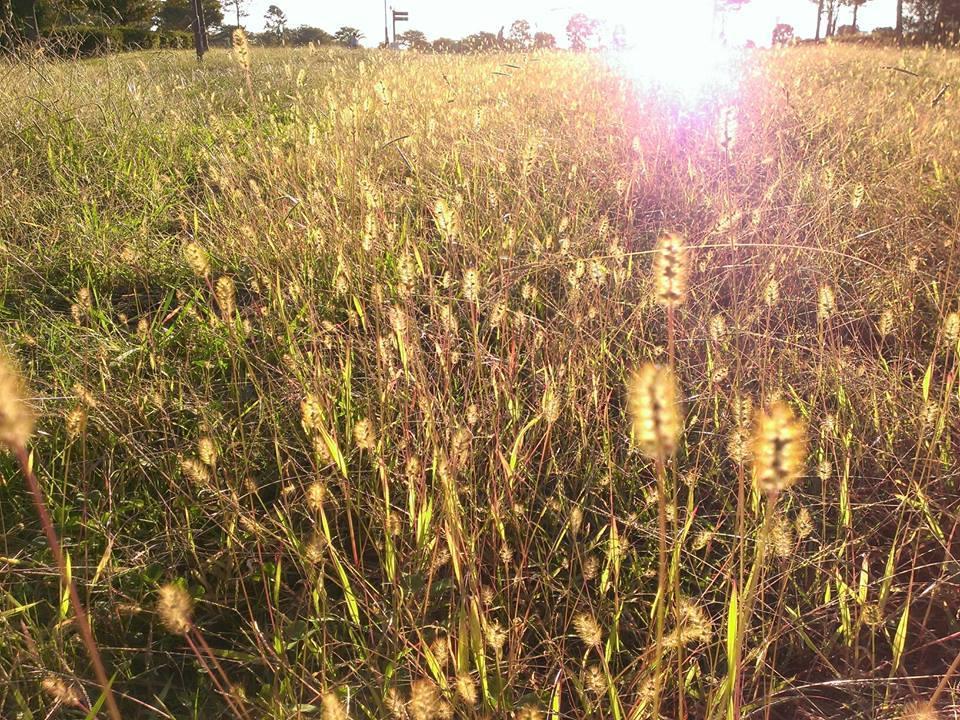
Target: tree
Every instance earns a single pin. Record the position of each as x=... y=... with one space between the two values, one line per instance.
x=899 y=22
x=445 y=45
x=348 y=36
x=413 y=40
x=933 y=20
x=618 y=39
x=519 y=35
x=580 y=29
x=275 y=21
x=178 y=14
x=306 y=34
x=239 y=9
x=819 y=4
x=544 y=41
x=782 y=34
x=855 y=4
x=479 y=42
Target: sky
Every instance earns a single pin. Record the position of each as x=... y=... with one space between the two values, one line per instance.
x=458 y=18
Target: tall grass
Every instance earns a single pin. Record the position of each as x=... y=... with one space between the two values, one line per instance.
x=332 y=355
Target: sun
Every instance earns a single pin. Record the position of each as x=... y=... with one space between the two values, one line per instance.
x=675 y=48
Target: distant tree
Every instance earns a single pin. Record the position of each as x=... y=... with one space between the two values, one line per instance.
x=819 y=4
x=899 y=22
x=580 y=29
x=306 y=34
x=178 y=14
x=413 y=40
x=239 y=9
x=618 y=39
x=782 y=34
x=855 y=4
x=275 y=21
x=519 y=35
x=445 y=45
x=479 y=42
x=933 y=20
x=348 y=36
x=544 y=41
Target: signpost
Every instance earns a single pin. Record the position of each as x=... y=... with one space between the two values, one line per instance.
x=399 y=16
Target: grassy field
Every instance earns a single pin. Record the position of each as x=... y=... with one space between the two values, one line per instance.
x=343 y=348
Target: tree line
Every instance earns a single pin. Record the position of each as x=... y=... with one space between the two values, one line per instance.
x=916 y=20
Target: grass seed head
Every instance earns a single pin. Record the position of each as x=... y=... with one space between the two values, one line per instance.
x=241 y=49
x=671 y=270
x=588 y=630
x=466 y=689
x=61 y=692
x=16 y=417
x=652 y=400
x=332 y=707
x=779 y=449
x=951 y=328
x=175 y=608
x=197 y=259
x=919 y=710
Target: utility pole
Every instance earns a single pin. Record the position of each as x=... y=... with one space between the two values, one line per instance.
x=398 y=16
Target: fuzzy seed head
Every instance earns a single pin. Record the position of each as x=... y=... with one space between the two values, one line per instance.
x=207 y=451
x=693 y=625
x=332 y=707
x=779 y=449
x=226 y=293
x=588 y=630
x=59 y=691
x=652 y=401
x=671 y=270
x=195 y=471
x=771 y=293
x=76 y=422
x=826 y=303
x=197 y=259
x=364 y=435
x=425 y=701
x=16 y=417
x=241 y=49
x=919 y=710
x=175 y=608
x=951 y=328
x=466 y=689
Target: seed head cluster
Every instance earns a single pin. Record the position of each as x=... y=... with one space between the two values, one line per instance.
x=654 y=408
x=671 y=270
x=779 y=449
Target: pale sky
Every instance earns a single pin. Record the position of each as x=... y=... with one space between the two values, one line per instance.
x=457 y=18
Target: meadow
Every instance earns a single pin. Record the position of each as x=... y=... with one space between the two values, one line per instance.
x=372 y=385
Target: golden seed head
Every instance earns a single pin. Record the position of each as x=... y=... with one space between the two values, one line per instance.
x=780 y=537
x=466 y=689
x=332 y=707
x=495 y=636
x=316 y=492
x=207 y=451
x=76 y=421
x=693 y=625
x=195 y=471
x=885 y=324
x=395 y=704
x=588 y=630
x=779 y=449
x=718 y=328
x=175 y=608
x=771 y=293
x=364 y=435
x=670 y=270
x=425 y=700
x=550 y=404
x=594 y=681
x=197 y=259
x=919 y=710
x=803 y=524
x=951 y=328
x=652 y=401
x=528 y=712
x=16 y=417
x=440 y=648
x=576 y=519
x=826 y=302
x=871 y=615
x=241 y=49
x=60 y=691
x=471 y=284
x=824 y=470
x=226 y=293
x=311 y=413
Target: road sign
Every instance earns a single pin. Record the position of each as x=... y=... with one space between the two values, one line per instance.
x=399 y=16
